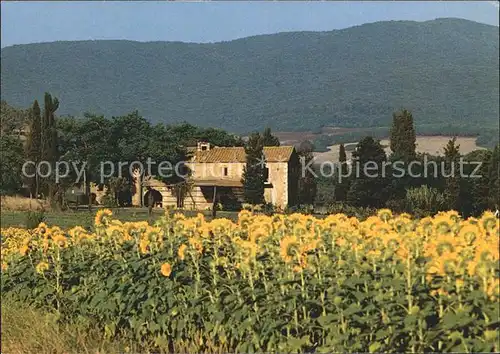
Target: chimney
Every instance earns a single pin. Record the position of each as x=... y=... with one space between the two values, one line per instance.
x=203 y=146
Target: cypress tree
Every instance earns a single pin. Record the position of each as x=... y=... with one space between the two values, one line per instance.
x=33 y=148
x=452 y=182
x=402 y=136
x=342 y=184
x=403 y=148
x=368 y=189
x=254 y=172
x=494 y=178
x=268 y=139
x=49 y=142
x=307 y=182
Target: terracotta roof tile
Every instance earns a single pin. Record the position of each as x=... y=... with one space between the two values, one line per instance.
x=237 y=154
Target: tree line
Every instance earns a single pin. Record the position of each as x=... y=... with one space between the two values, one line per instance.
x=435 y=184
x=95 y=138
x=88 y=141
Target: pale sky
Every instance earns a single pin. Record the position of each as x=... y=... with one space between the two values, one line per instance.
x=28 y=22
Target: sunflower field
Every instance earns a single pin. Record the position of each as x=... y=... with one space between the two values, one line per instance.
x=287 y=283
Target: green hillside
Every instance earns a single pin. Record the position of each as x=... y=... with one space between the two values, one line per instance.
x=445 y=71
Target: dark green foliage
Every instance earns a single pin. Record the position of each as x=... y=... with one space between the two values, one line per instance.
x=12 y=119
x=424 y=201
x=307 y=188
x=34 y=218
x=11 y=162
x=402 y=136
x=48 y=129
x=488 y=138
x=342 y=180
x=452 y=174
x=268 y=139
x=33 y=147
x=254 y=172
x=403 y=146
x=288 y=81
x=49 y=148
x=494 y=178
x=369 y=186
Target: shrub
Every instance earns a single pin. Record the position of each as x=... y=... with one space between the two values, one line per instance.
x=34 y=218
x=426 y=200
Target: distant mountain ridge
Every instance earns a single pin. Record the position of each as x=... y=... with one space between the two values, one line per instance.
x=445 y=71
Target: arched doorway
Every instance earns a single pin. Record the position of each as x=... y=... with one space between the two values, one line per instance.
x=155 y=196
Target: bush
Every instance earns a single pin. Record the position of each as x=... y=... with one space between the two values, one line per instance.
x=426 y=200
x=34 y=218
x=349 y=210
x=109 y=201
x=268 y=209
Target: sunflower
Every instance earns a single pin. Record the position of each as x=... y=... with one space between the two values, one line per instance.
x=248 y=248
x=60 y=240
x=24 y=249
x=41 y=267
x=42 y=229
x=309 y=246
x=181 y=252
x=196 y=244
x=447 y=243
x=76 y=231
x=440 y=292
x=401 y=223
x=405 y=216
x=143 y=245
x=452 y=215
x=166 y=269
x=179 y=216
x=286 y=244
x=486 y=251
x=204 y=231
x=489 y=221
x=493 y=288
x=372 y=222
x=244 y=215
x=384 y=214
x=200 y=219
x=469 y=233
x=442 y=225
x=258 y=231
x=112 y=230
x=102 y=216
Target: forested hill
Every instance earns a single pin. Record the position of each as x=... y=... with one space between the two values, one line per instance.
x=445 y=71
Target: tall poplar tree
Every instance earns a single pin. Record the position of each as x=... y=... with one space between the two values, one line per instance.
x=269 y=139
x=369 y=188
x=49 y=149
x=403 y=147
x=494 y=178
x=402 y=136
x=342 y=182
x=307 y=182
x=254 y=172
x=452 y=184
x=33 y=147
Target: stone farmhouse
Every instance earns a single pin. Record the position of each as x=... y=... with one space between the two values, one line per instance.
x=215 y=178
